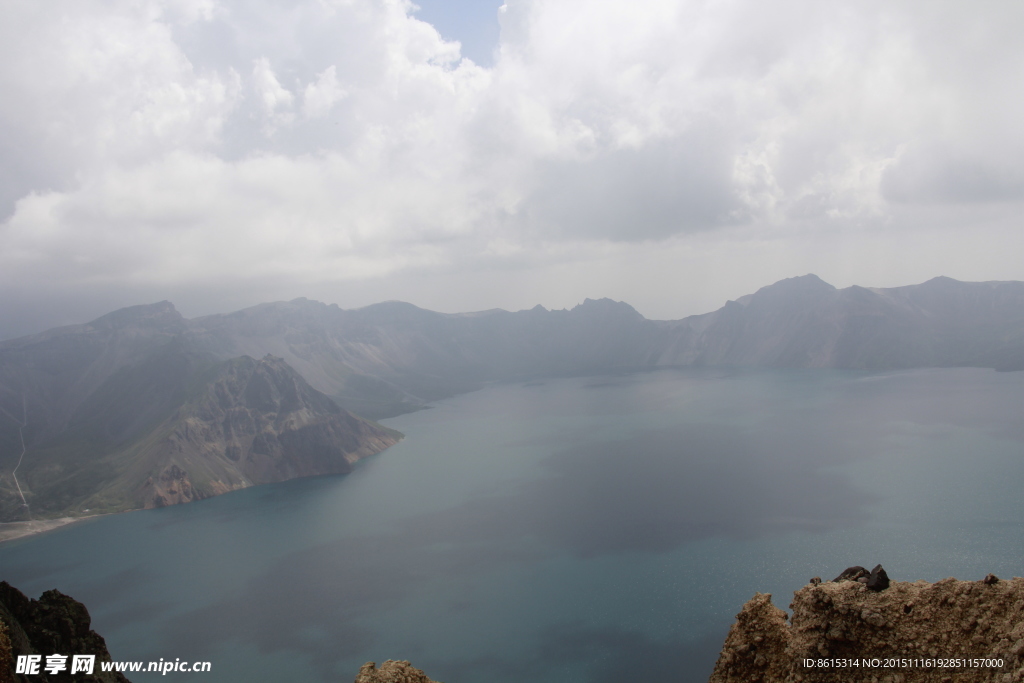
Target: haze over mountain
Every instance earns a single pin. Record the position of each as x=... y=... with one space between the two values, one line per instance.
x=142 y=407
x=388 y=357
x=121 y=414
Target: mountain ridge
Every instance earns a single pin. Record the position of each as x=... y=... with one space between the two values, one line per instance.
x=85 y=399
x=391 y=357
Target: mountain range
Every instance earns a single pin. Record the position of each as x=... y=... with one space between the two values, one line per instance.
x=142 y=407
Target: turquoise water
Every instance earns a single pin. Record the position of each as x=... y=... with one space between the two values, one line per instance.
x=583 y=530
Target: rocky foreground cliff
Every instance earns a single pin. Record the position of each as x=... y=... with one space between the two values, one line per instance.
x=840 y=631
x=55 y=623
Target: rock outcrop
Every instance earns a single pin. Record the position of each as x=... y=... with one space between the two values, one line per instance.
x=843 y=630
x=55 y=623
x=256 y=422
x=391 y=671
x=178 y=427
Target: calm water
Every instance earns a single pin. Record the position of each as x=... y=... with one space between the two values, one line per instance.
x=589 y=530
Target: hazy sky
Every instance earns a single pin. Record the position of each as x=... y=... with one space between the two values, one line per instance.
x=669 y=153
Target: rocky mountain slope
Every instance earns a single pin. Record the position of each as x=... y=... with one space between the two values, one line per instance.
x=53 y=624
x=842 y=631
x=806 y=322
x=46 y=378
x=254 y=422
x=179 y=426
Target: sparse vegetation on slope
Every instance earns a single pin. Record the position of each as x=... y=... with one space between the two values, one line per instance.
x=179 y=427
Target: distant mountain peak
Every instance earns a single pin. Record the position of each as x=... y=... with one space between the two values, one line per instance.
x=161 y=315
x=393 y=305
x=942 y=280
x=606 y=306
x=805 y=282
x=802 y=285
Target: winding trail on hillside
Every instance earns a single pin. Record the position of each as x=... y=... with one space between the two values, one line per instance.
x=21 y=435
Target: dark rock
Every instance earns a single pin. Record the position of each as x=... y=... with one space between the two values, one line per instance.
x=851 y=574
x=990 y=579
x=816 y=581
x=55 y=623
x=878 y=580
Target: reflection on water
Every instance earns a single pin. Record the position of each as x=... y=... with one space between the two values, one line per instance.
x=579 y=530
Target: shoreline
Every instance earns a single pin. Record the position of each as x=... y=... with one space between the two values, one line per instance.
x=10 y=531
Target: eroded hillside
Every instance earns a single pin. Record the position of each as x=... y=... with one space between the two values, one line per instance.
x=177 y=428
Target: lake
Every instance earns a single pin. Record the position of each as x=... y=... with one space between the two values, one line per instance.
x=581 y=530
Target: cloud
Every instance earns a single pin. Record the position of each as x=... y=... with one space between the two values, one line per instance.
x=94 y=84
x=321 y=95
x=335 y=141
x=683 y=183
x=276 y=101
x=941 y=175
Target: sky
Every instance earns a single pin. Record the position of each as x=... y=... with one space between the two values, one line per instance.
x=467 y=154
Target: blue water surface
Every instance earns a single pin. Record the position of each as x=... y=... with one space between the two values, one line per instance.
x=583 y=530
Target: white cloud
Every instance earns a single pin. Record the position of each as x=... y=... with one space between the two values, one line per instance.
x=344 y=140
x=270 y=92
x=188 y=11
x=276 y=100
x=87 y=85
x=321 y=95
